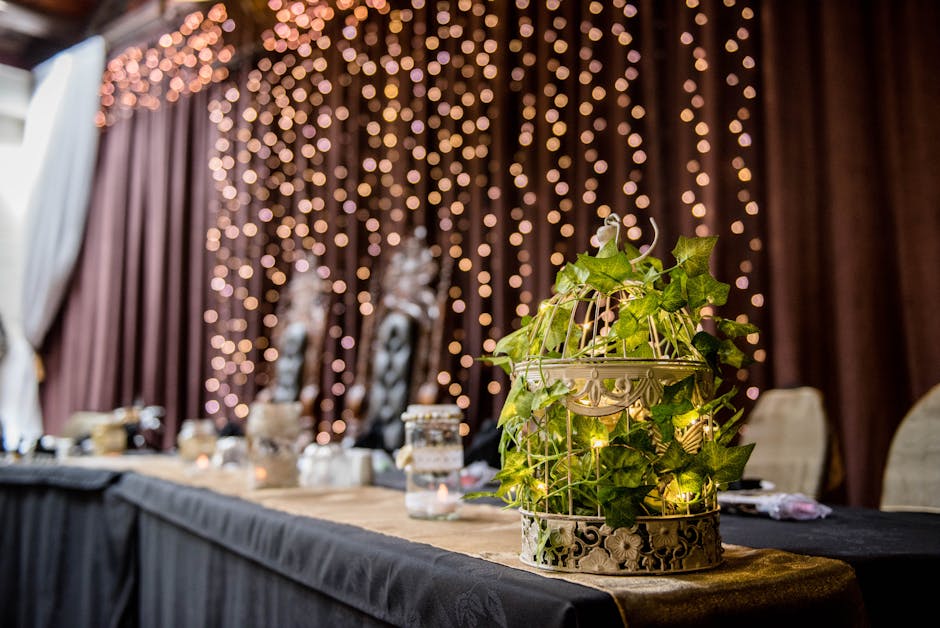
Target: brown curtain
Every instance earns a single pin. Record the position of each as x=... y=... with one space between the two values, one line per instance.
x=853 y=200
x=801 y=133
x=132 y=329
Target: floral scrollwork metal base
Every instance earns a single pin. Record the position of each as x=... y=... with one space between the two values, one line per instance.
x=654 y=545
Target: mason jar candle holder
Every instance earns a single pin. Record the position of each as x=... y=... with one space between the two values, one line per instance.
x=272 y=433
x=432 y=458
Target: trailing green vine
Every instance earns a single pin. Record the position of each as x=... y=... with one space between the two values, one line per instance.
x=623 y=307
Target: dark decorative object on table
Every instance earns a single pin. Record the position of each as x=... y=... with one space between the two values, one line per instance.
x=290 y=363
x=232 y=428
x=399 y=368
x=391 y=381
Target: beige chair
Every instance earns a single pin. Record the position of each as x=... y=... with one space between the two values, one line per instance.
x=912 y=473
x=788 y=427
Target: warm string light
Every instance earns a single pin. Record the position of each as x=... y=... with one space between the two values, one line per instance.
x=423 y=137
x=182 y=61
x=363 y=122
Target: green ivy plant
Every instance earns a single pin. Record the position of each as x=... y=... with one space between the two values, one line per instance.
x=639 y=462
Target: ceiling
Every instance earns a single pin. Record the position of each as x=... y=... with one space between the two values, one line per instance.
x=31 y=31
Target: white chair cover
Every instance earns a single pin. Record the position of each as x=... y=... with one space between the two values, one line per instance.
x=912 y=473
x=788 y=427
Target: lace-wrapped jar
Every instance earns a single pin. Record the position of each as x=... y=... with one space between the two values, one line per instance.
x=432 y=459
x=273 y=431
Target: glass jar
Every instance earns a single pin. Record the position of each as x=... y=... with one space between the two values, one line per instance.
x=196 y=440
x=273 y=433
x=109 y=438
x=432 y=459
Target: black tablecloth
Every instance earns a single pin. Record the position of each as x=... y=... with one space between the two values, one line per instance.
x=82 y=547
x=277 y=569
x=66 y=549
x=896 y=555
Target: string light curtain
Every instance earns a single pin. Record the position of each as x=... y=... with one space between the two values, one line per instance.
x=504 y=131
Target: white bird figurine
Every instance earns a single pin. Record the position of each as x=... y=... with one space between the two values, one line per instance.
x=610 y=230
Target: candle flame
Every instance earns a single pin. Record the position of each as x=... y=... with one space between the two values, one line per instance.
x=261 y=473
x=202 y=461
x=442 y=492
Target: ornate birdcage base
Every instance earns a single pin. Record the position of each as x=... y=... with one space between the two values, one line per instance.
x=654 y=545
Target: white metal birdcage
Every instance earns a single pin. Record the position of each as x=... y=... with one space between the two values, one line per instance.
x=597 y=364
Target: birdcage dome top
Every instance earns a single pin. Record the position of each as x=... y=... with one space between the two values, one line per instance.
x=620 y=312
x=623 y=305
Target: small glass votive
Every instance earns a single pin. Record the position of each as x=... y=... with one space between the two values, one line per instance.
x=432 y=459
x=109 y=439
x=196 y=440
x=230 y=451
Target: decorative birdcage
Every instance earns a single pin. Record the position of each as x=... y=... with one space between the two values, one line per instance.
x=611 y=444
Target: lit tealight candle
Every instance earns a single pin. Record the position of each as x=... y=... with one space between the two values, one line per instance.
x=439 y=504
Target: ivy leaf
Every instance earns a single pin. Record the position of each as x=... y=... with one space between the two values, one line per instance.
x=692 y=254
x=730 y=428
x=570 y=278
x=631 y=331
x=717 y=403
x=627 y=466
x=515 y=344
x=558 y=329
x=673 y=298
x=639 y=437
x=728 y=353
x=556 y=422
x=623 y=505
x=644 y=306
x=625 y=326
x=584 y=430
x=632 y=252
x=674 y=458
x=674 y=394
x=734 y=329
x=502 y=361
x=676 y=401
x=643 y=350
x=608 y=249
x=544 y=397
x=708 y=346
x=724 y=464
x=703 y=289
x=518 y=402
x=606 y=274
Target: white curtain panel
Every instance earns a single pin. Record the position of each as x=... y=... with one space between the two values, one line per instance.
x=60 y=146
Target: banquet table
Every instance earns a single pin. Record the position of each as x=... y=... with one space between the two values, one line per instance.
x=131 y=541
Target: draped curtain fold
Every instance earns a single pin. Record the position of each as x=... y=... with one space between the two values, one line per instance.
x=801 y=133
x=60 y=140
x=132 y=328
x=853 y=201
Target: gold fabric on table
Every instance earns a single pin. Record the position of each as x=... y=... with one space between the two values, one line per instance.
x=758 y=578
